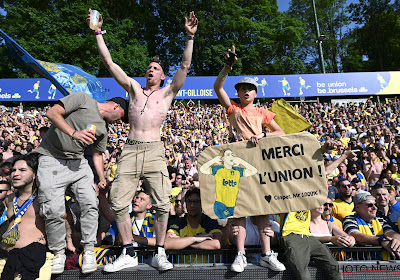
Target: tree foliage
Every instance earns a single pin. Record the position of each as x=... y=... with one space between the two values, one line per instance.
x=56 y=31
x=375 y=43
x=267 y=41
x=332 y=20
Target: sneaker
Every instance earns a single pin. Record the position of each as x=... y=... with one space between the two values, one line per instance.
x=239 y=263
x=89 y=263
x=122 y=262
x=58 y=264
x=270 y=260
x=160 y=260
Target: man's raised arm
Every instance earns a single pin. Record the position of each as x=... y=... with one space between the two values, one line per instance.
x=180 y=75
x=114 y=69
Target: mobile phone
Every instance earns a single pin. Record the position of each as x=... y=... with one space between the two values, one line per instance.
x=229 y=61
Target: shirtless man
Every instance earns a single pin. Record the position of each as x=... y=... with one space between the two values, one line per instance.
x=373 y=168
x=5 y=189
x=143 y=154
x=29 y=250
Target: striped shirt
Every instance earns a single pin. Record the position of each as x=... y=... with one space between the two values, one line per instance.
x=352 y=224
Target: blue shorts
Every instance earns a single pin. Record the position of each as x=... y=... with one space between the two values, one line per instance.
x=222 y=211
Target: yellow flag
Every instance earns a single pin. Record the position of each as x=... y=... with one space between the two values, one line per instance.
x=288 y=118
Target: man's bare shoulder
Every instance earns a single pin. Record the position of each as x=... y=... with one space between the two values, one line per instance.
x=168 y=92
x=134 y=87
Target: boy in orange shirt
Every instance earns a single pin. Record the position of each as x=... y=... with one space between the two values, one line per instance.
x=248 y=121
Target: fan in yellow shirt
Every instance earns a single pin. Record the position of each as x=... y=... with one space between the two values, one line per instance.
x=343 y=206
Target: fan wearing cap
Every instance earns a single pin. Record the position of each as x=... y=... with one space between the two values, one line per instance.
x=248 y=121
x=143 y=154
x=62 y=164
x=367 y=228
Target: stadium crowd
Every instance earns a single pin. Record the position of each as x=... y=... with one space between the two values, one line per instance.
x=361 y=163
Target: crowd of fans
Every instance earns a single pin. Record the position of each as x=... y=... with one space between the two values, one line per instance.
x=361 y=165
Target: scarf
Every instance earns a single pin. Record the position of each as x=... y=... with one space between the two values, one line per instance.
x=377 y=230
x=364 y=228
x=11 y=236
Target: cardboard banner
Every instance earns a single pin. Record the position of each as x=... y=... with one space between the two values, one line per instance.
x=280 y=175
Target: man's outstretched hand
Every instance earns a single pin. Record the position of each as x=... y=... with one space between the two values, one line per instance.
x=191 y=24
x=100 y=20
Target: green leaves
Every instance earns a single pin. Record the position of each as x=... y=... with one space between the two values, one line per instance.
x=267 y=41
x=374 y=45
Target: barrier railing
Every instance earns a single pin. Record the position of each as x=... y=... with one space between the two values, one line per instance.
x=227 y=255
x=360 y=253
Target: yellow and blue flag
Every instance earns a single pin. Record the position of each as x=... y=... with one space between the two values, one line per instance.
x=67 y=78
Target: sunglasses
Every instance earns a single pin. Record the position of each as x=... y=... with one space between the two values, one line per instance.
x=178 y=201
x=347 y=186
x=328 y=204
x=369 y=205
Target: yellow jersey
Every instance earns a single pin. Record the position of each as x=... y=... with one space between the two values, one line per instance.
x=295 y=222
x=227 y=184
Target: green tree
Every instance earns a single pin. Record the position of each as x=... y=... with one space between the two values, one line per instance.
x=374 y=42
x=332 y=20
x=56 y=31
x=267 y=41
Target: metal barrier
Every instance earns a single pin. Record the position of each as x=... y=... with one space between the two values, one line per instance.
x=358 y=266
x=361 y=253
x=227 y=255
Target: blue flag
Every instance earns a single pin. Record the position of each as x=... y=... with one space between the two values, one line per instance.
x=66 y=78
